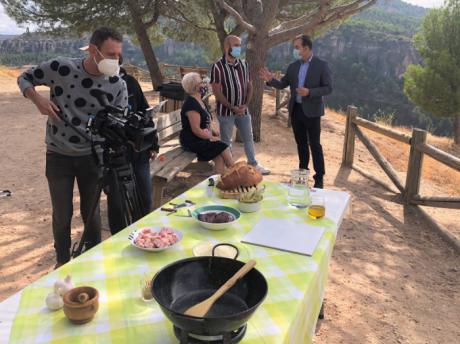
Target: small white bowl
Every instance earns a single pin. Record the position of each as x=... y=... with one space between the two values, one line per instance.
x=249 y=207
x=216 y=208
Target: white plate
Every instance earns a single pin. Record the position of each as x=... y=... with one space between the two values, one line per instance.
x=243 y=256
x=133 y=235
x=204 y=248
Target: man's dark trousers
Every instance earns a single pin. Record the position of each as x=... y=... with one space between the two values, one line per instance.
x=307 y=132
x=61 y=172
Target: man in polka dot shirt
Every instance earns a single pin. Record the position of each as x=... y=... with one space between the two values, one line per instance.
x=69 y=156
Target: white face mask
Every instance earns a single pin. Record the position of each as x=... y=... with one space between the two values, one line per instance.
x=109 y=67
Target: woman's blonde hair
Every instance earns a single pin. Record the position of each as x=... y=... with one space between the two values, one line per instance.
x=191 y=82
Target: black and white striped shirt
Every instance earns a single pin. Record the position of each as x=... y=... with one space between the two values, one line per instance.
x=234 y=79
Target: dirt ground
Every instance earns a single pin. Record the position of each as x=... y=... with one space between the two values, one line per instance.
x=391 y=280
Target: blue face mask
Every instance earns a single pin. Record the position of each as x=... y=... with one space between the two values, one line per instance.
x=235 y=52
x=296 y=54
x=203 y=91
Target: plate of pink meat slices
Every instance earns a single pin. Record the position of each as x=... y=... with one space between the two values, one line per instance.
x=154 y=239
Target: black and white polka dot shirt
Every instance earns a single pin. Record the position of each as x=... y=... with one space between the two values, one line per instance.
x=70 y=87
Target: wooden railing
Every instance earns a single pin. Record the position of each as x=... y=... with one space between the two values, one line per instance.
x=281 y=98
x=175 y=72
x=418 y=149
x=139 y=73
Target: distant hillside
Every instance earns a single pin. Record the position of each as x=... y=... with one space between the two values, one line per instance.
x=3 y=37
x=368 y=55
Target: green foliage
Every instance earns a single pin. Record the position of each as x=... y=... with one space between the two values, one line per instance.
x=61 y=15
x=434 y=86
x=393 y=20
x=25 y=58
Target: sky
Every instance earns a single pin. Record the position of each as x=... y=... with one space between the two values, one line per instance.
x=9 y=26
x=425 y=3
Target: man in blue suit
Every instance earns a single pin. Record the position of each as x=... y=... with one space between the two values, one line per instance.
x=309 y=79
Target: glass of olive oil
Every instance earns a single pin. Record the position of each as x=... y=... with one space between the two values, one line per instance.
x=317 y=208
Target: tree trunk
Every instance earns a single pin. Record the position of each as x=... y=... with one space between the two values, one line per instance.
x=219 y=16
x=146 y=46
x=256 y=56
x=456 y=121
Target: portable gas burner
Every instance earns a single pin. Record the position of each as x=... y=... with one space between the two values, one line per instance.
x=232 y=337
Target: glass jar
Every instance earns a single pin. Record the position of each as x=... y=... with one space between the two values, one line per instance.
x=298 y=191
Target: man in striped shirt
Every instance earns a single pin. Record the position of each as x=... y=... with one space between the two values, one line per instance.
x=232 y=87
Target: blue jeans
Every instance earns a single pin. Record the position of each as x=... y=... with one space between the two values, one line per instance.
x=244 y=125
x=141 y=167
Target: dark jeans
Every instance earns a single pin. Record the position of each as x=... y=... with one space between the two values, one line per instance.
x=61 y=172
x=307 y=132
x=141 y=167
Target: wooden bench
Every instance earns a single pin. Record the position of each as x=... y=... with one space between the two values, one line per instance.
x=162 y=171
x=173 y=161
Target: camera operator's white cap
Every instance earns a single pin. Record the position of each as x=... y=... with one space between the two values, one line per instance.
x=85 y=48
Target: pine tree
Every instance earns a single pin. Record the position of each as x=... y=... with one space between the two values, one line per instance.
x=434 y=86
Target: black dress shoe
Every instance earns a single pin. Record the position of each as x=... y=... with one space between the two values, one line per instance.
x=58 y=265
x=318 y=183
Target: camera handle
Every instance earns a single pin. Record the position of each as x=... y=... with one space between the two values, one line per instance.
x=66 y=121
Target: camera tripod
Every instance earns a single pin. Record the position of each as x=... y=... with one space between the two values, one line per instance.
x=116 y=166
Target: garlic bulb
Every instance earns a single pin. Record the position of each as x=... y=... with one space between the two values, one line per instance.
x=54 y=301
x=63 y=286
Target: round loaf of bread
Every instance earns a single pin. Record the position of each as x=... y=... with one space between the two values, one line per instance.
x=239 y=175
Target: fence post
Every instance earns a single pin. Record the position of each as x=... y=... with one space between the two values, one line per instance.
x=277 y=95
x=414 y=168
x=349 y=140
x=277 y=102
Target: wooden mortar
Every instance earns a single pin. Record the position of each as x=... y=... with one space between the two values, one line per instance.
x=81 y=304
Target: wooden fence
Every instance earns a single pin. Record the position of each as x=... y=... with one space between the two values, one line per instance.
x=281 y=98
x=137 y=72
x=175 y=72
x=418 y=149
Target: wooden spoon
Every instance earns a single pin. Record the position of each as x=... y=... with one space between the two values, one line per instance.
x=202 y=308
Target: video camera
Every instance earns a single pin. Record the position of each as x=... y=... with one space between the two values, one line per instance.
x=119 y=126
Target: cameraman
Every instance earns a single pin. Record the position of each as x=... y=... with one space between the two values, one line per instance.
x=68 y=155
x=140 y=161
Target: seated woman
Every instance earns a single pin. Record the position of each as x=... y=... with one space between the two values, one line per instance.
x=196 y=135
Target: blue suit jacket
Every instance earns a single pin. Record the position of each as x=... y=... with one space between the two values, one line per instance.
x=318 y=81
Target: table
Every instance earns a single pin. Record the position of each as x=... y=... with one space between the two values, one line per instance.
x=288 y=315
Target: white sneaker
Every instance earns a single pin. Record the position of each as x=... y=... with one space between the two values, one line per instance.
x=263 y=170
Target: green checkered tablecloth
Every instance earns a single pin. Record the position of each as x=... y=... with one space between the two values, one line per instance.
x=288 y=314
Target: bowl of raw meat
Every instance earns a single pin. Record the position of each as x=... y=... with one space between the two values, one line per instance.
x=154 y=239
x=216 y=217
